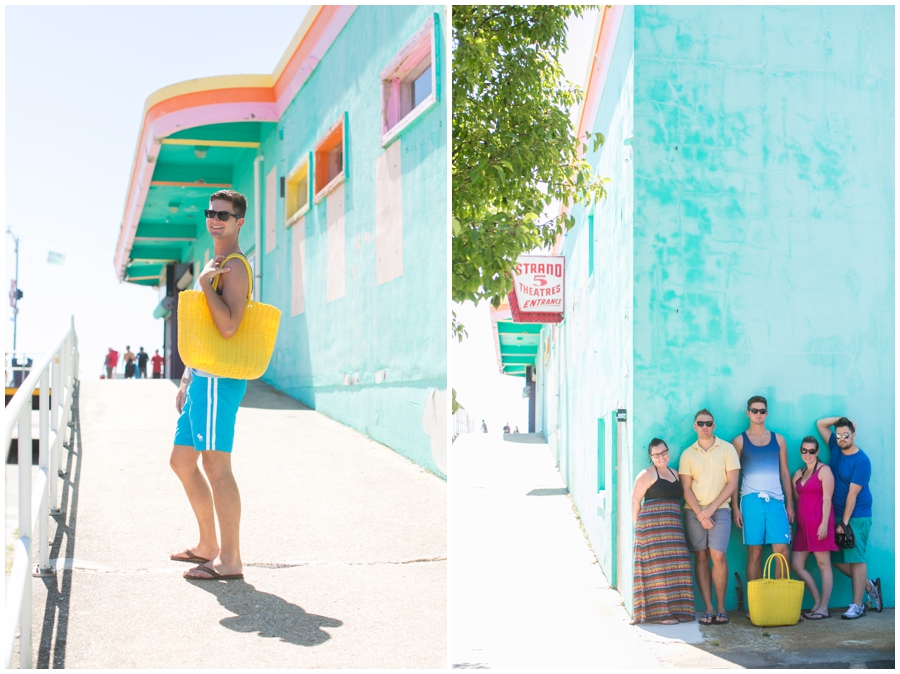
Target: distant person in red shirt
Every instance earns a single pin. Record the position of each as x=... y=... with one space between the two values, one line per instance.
x=112 y=359
x=157 y=362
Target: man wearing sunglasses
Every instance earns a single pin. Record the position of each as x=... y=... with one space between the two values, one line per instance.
x=765 y=508
x=708 y=471
x=852 y=505
x=208 y=407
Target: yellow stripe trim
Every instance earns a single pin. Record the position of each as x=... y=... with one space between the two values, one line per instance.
x=209 y=143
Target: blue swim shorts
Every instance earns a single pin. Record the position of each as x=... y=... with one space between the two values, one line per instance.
x=765 y=520
x=209 y=412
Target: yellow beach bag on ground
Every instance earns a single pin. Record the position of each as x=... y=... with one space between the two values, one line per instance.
x=775 y=601
x=246 y=354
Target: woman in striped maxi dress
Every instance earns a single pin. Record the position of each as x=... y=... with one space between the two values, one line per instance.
x=663 y=585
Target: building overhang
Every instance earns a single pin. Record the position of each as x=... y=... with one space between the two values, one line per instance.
x=193 y=136
x=516 y=344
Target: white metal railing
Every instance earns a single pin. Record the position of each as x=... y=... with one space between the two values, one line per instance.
x=462 y=423
x=54 y=374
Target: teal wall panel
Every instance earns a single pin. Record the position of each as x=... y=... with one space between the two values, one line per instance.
x=399 y=326
x=764 y=231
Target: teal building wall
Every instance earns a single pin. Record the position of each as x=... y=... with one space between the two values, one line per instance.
x=762 y=247
x=327 y=356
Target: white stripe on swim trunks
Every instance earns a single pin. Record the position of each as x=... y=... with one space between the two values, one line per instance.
x=215 y=411
x=208 y=408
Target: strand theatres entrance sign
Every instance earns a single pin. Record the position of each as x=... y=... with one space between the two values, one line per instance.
x=538 y=294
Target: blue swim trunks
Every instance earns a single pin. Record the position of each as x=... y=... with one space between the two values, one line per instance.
x=765 y=520
x=209 y=413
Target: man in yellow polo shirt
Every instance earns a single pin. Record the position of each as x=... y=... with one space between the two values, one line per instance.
x=709 y=471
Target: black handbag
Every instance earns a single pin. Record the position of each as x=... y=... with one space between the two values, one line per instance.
x=846 y=540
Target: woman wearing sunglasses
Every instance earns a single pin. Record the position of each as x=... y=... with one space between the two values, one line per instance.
x=813 y=488
x=663 y=588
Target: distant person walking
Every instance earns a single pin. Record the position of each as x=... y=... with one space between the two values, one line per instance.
x=852 y=508
x=506 y=428
x=157 y=362
x=111 y=360
x=129 y=358
x=208 y=407
x=142 y=358
x=663 y=588
x=483 y=426
x=709 y=474
x=814 y=487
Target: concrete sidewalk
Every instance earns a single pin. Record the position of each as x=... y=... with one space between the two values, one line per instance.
x=343 y=542
x=527 y=592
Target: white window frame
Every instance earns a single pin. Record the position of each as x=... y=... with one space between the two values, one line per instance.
x=305 y=163
x=390 y=81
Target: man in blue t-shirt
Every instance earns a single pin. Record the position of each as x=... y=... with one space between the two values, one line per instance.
x=852 y=502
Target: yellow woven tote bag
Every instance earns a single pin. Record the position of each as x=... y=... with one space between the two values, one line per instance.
x=246 y=354
x=775 y=601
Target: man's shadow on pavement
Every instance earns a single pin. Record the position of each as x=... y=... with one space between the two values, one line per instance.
x=267 y=614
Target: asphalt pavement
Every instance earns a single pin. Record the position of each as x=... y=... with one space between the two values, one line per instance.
x=343 y=542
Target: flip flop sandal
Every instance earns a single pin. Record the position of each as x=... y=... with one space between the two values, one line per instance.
x=191 y=557
x=721 y=619
x=709 y=618
x=214 y=575
x=817 y=616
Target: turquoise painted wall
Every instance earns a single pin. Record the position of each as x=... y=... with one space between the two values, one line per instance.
x=592 y=357
x=746 y=248
x=399 y=326
x=764 y=231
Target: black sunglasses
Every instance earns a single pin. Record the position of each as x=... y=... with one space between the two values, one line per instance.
x=809 y=451
x=708 y=424
x=220 y=215
x=758 y=411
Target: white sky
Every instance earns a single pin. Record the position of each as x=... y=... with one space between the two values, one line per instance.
x=480 y=388
x=76 y=82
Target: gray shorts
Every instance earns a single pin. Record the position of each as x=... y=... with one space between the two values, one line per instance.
x=716 y=538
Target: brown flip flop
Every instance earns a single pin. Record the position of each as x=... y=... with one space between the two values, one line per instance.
x=191 y=557
x=214 y=575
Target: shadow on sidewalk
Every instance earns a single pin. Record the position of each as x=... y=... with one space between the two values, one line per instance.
x=525 y=438
x=264 y=396
x=271 y=616
x=59 y=588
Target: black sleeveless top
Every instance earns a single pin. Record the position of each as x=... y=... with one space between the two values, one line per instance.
x=664 y=489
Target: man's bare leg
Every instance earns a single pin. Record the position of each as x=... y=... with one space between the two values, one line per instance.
x=719 y=577
x=754 y=562
x=857 y=573
x=184 y=462
x=781 y=549
x=227 y=498
x=701 y=568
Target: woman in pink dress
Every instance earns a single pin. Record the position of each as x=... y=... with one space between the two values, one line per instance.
x=813 y=488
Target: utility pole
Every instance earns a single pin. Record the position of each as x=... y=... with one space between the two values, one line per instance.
x=14 y=293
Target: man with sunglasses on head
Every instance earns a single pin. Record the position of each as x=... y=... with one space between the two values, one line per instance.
x=765 y=508
x=708 y=471
x=208 y=407
x=852 y=506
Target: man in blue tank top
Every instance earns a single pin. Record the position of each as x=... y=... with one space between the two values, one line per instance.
x=852 y=506
x=766 y=507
